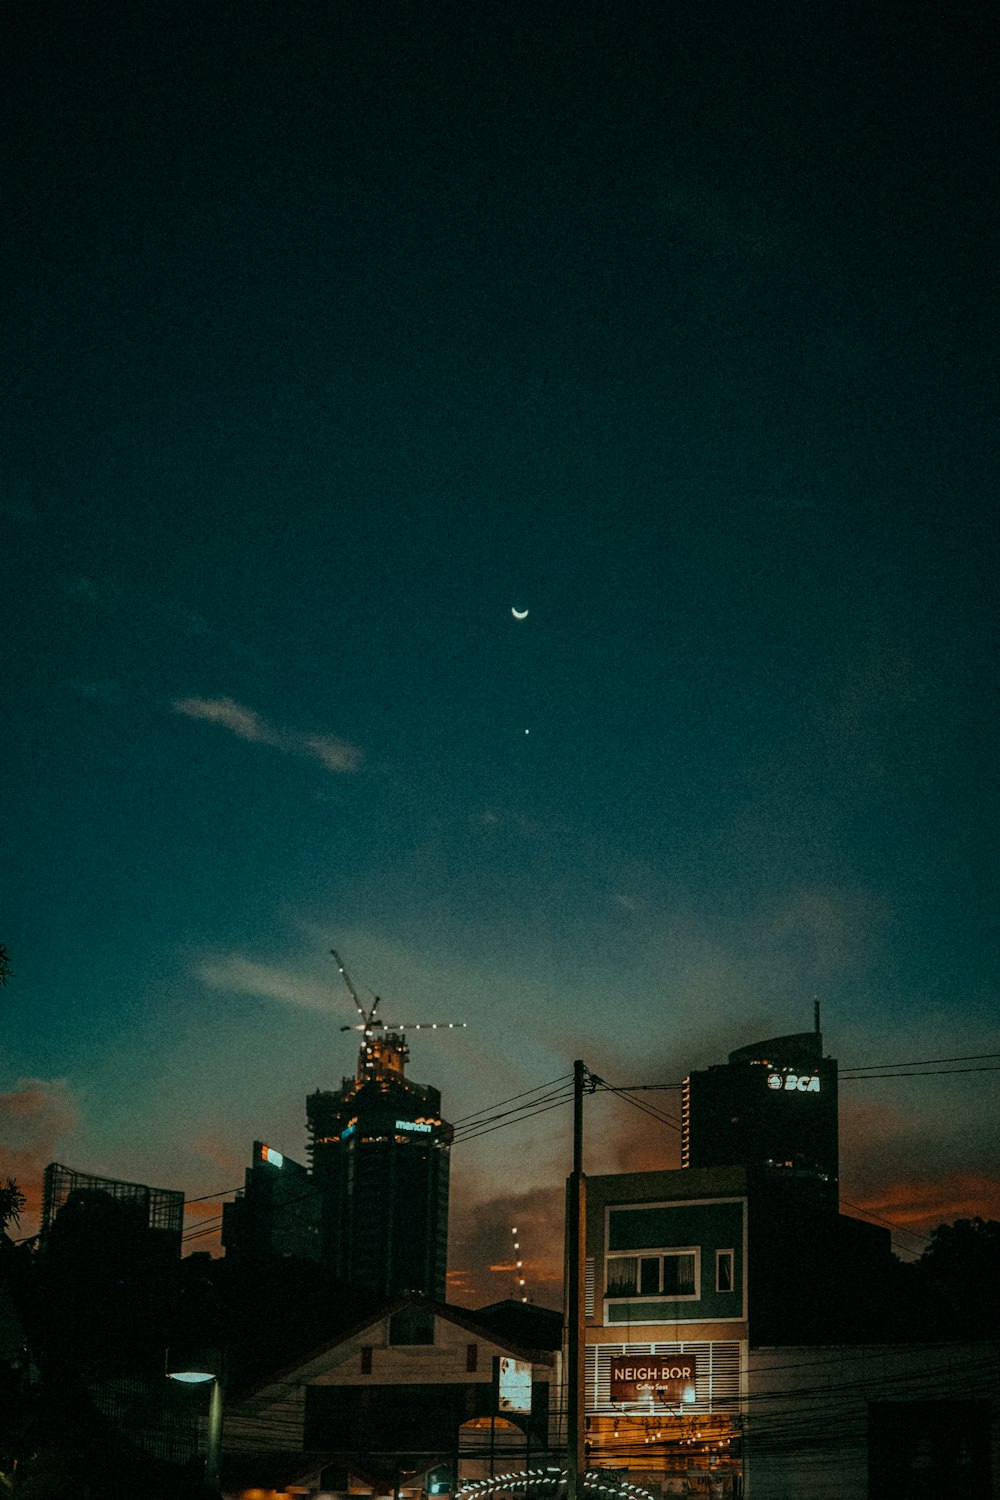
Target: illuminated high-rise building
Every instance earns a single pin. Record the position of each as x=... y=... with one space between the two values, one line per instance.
x=379 y=1153
x=773 y=1105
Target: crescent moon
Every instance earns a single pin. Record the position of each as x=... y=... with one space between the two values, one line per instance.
x=519 y=614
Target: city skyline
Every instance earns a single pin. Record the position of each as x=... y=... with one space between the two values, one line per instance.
x=339 y=341
x=652 y=1147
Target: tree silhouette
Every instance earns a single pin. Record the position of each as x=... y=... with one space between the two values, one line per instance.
x=6 y=972
x=962 y=1262
x=12 y=1200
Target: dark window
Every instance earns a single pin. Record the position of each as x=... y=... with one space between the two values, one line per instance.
x=412 y=1325
x=366 y=1359
x=724 y=1271
x=471 y=1357
x=649 y=1274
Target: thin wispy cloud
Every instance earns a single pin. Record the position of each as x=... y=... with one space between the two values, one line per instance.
x=231 y=715
x=334 y=754
x=929 y=1201
x=236 y=975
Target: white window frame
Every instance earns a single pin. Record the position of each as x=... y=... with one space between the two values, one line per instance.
x=719 y=1256
x=653 y=1252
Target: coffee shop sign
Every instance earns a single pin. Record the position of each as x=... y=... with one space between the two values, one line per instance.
x=652 y=1379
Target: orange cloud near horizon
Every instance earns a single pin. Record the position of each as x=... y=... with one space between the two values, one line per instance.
x=929 y=1202
x=36 y=1117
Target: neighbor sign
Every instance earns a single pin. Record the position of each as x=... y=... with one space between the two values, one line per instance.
x=640 y=1377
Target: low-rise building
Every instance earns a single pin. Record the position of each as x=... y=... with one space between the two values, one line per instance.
x=741 y=1340
x=414 y=1399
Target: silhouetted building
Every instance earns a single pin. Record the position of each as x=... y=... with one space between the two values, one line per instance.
x=773 y=1105
x=105 y=1217
x=277 y=1213
x=109 y=1253
x=379 y=1151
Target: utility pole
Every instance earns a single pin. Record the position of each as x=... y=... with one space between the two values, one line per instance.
x=576 y=1215
x=213 y=1443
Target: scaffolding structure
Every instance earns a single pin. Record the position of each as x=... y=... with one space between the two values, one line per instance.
x=157 y=1208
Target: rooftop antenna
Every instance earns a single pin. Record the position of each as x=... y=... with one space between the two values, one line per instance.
x=383 y=1048
x=816 y=1014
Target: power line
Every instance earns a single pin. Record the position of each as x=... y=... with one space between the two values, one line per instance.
x=889 y=1223
x=539 y=1107
x=563 y=1078
x=923 y=1062
x=860 y=1077
x=207 y=1197
x=507 y=1116
x=862 y=1070
x=646 y=1109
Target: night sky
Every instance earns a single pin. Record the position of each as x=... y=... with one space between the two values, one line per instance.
x=333 y=331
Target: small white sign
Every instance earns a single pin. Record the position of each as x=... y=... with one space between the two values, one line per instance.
x=515 y=1385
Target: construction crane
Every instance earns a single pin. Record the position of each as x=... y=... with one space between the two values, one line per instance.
x=384 y=1047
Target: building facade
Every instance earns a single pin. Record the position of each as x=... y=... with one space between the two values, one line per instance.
x=667 y=1328
x=278 y=1213
x=772 y=1105
x=740 y=1341
x=414 y=1400
x=745 y=1338
x=380 y=1154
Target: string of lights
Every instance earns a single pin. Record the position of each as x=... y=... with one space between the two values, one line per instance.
x=519 y=1266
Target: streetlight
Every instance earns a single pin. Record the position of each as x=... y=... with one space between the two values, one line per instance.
x=202 y=1367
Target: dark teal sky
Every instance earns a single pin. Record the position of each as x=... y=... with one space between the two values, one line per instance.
x=332 y=335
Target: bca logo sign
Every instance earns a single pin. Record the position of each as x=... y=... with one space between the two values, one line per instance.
x=802 y=1083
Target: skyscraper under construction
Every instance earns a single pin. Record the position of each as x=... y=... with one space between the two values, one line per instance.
x=379 y=1152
